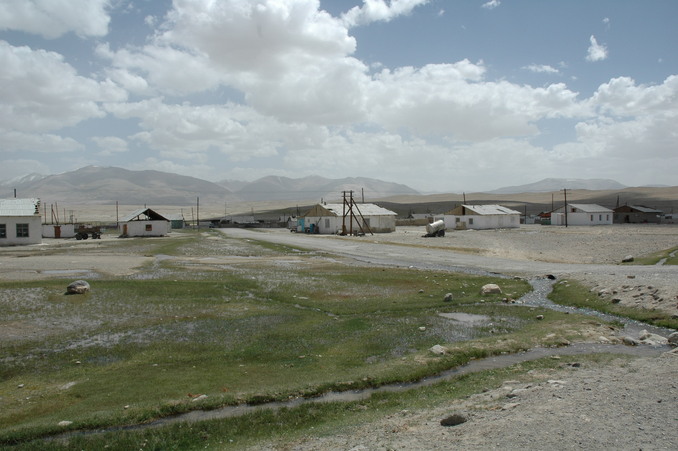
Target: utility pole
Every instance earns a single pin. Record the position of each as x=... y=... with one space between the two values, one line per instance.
x=565 y=192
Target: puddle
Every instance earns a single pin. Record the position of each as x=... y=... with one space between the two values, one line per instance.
x=465 y=317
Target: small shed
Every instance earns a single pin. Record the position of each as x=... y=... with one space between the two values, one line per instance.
x=20 y=222
x=331 y=218
x=144 y=222
x=581 y=214
x=637 y=214
x=481 y=217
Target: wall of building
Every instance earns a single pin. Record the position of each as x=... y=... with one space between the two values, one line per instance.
x=581 y=218
x=331 y=225
x=480 y=222
x=34 y=230
x=58 y=231
x=144 y=228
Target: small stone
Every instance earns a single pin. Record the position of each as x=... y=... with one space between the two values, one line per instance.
x=540 y=317
x=20 y=386
x=448 y=297
x=64 y=423
x=627 y=259
x=453 y=420
x=490 y=288
x=438 y=350
x=199 y=398
x=78 y=287
x=629 y=341
x=673 y=339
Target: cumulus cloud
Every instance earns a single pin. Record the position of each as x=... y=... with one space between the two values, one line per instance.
x=40 y=92
x=596 y=52
x=110 y=145
x=454 y=100
x=188 y=132
x=52 y=19
x=379 y=11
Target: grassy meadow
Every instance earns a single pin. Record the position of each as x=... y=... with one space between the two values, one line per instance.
x=215 y=321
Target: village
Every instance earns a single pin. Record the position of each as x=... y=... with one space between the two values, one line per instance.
x=26 y=221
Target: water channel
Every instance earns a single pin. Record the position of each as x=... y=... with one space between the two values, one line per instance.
x=538 y=297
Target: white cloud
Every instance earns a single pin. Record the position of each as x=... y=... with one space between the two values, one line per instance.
x=110 y=145
x=16 y=141
x=379 y=11
x=453 y=100
x=190 y=132
x=596 y=52
x=52 y=18
x=40 y=92
x=492 y=4
x=541 y=68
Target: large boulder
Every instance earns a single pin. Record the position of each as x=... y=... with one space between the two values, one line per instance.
x=673 y=339
x=490 y=288
x=78 y=287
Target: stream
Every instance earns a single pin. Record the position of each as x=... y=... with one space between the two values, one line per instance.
x=542 y=286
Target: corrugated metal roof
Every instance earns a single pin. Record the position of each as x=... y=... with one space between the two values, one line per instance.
x=490 y=210
x=365 y=209
x=591 y=208
x=19 y=207
x=644 y=209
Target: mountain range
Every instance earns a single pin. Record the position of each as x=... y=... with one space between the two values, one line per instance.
x=107 y=185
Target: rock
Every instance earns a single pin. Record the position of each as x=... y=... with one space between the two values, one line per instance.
x=550 y=277
x=453 y=420
x=616 y=300
x=627 y=259
x=199 y=398
x=630 y=341
x=448 y=297
x=673 y=339
x=438 y=350
x=65 y=423
x=490 y=288
x=78 y=287
x=651 y=339
x=540 y=316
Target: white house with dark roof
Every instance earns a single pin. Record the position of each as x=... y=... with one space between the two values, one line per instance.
x=480 y=217
x=20 y=222
x=332 y=218
x=144 y=222
x=582 y=214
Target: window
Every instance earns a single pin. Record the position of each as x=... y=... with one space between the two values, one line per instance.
x=149 y=227
x=457 y=220
x=3 y=230
x=470 y=221
x=591 y=218
x=600 y=217
x=22 y=230
x=327 y=223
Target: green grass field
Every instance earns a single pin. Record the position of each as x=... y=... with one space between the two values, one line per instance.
x=182 y=336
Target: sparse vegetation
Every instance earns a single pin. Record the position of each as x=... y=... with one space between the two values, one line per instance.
x=575 y=294
x=262 y=328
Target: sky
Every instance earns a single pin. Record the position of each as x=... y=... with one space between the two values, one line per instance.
x=440 y=95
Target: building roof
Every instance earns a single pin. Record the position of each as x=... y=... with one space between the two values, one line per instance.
x=590 y=208
x=19 y=207
x=483 y=210
x=149 y=215
x=644 y=209
x=338 y=210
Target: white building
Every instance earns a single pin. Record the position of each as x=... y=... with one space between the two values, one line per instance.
x=333 y=218
x=582 y=214
x=144 y=222
x=481 y=217
x=20 y=222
